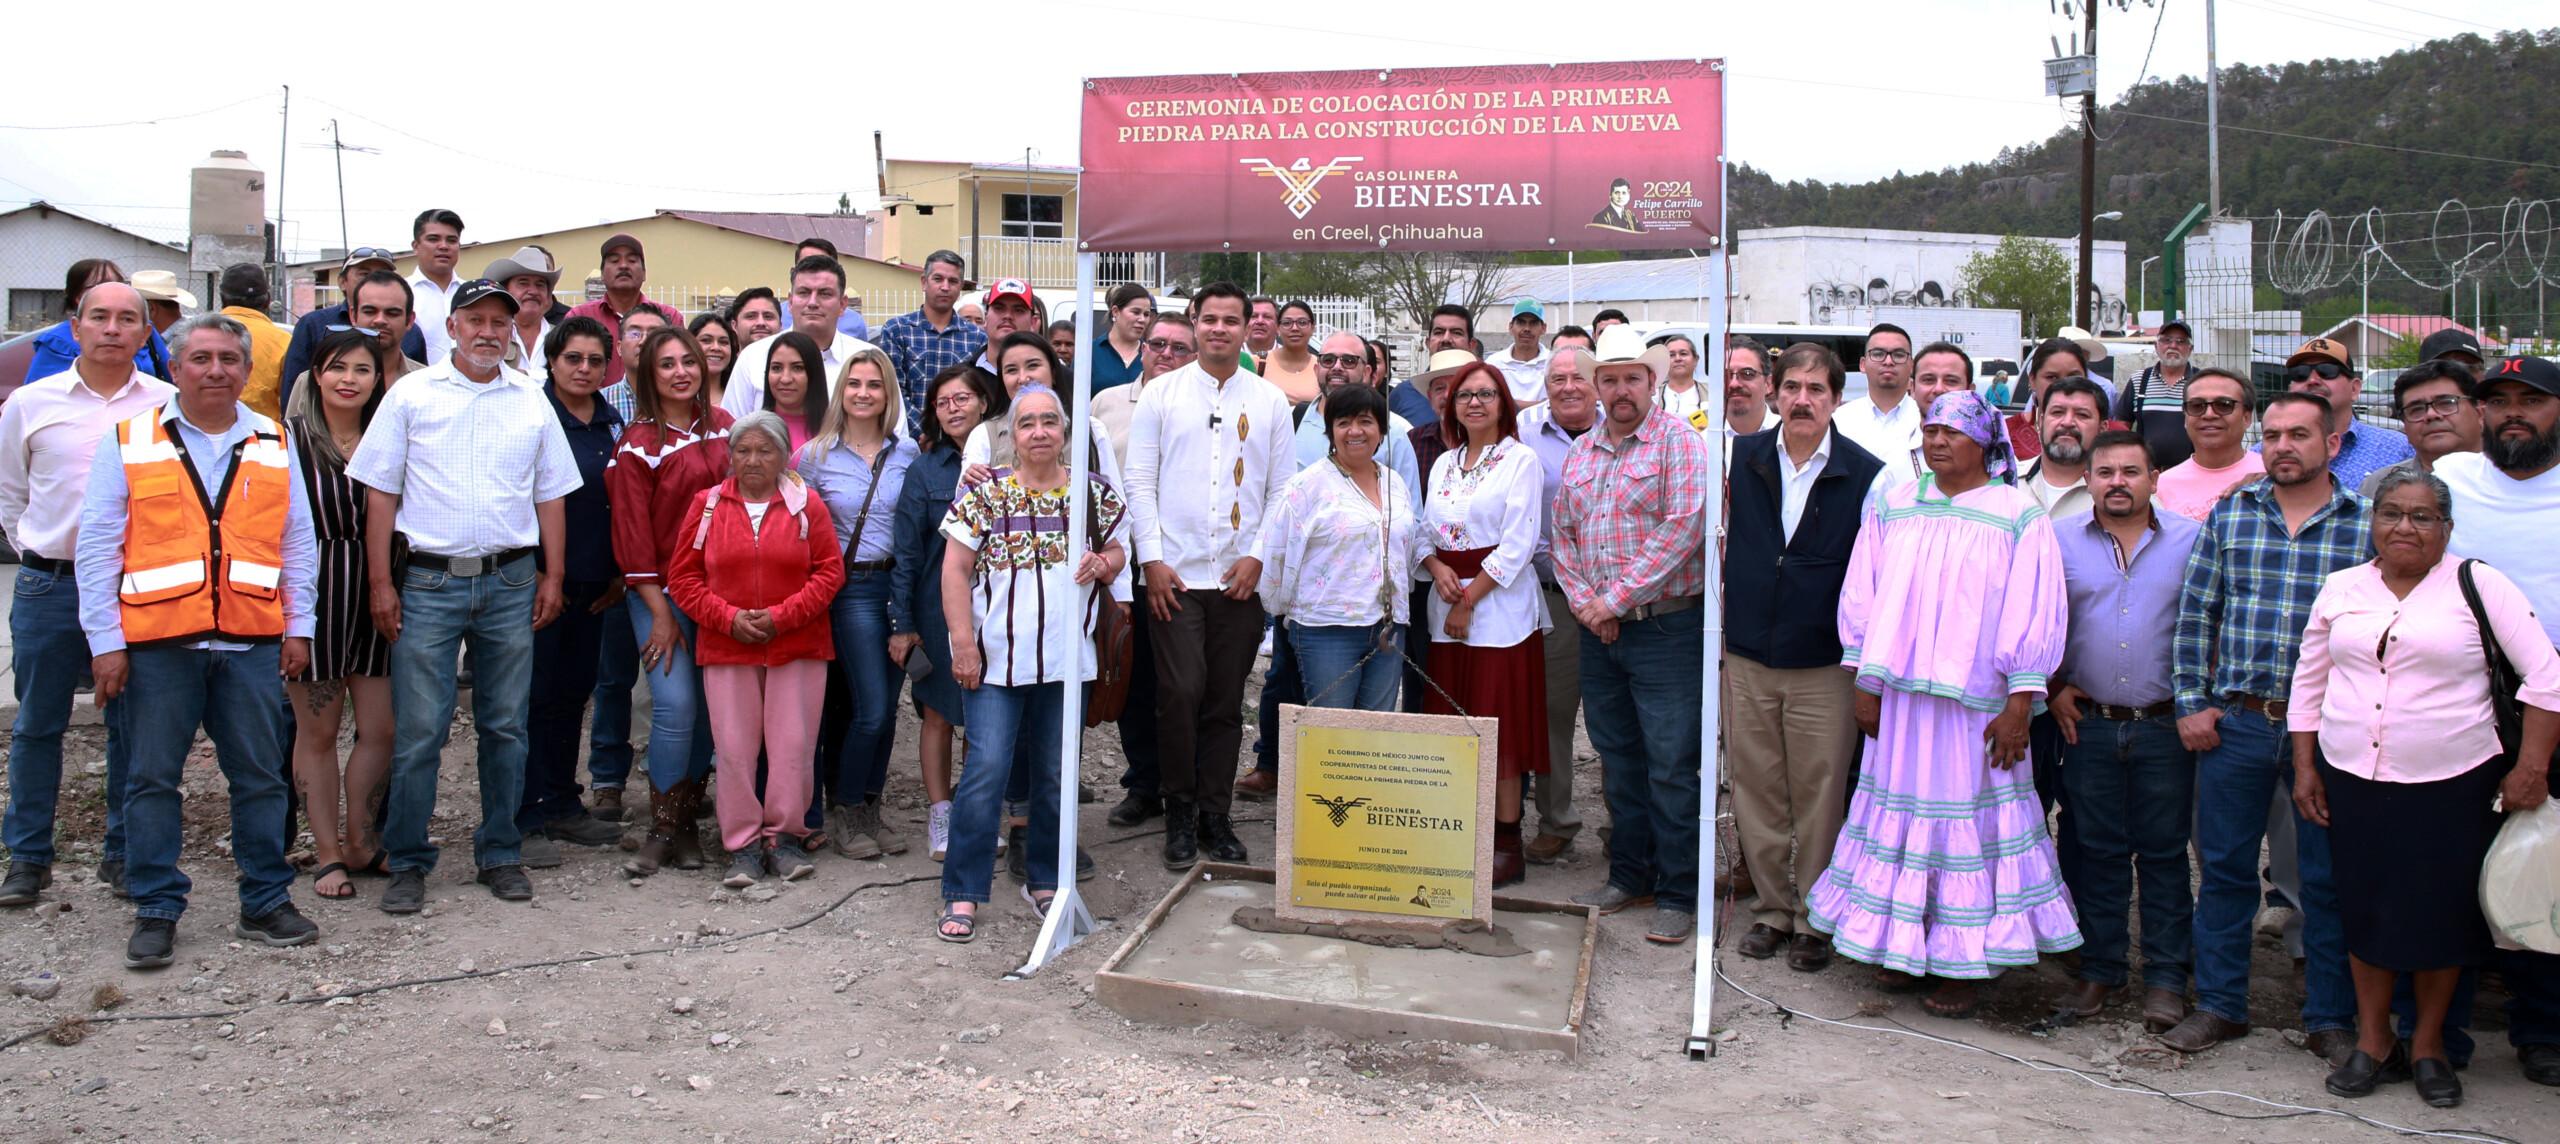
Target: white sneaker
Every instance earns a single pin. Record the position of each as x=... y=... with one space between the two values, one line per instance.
x=938 y=832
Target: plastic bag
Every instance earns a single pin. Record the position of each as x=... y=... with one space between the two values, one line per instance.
x=2520 y=881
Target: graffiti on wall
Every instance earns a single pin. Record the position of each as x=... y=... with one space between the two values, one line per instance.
x=1848 y=296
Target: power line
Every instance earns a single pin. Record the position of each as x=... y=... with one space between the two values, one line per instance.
x=549 y=174
x=2343 y=23
x=2438 y=15
x=2348 y=142
x=130 y=122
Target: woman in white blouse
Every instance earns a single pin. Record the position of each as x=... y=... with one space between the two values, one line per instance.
x=1480 y=527
x=1337 y=551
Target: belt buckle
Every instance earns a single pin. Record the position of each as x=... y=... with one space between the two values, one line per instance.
x=466 y=566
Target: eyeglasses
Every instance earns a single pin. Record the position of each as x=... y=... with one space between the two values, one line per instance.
x=955 y=401
x=1746 y=373
x=1342 y=361
x=1476 y=397
x=2217 y=406
x=1168 y=346
x=2173 y=343
x=2422 y=521
x=2324 y=370
x=2432 y=407
x=1890 y=356
x=1297 y=323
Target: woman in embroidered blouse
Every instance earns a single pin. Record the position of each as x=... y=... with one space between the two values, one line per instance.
x=858 y=465
x=1021 y=625
x=794 y=385
x=1488 y=648
x=2396 y=751
x=676 y=446
x=1337 y=551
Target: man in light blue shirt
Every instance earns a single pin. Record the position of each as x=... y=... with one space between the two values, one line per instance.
x=173 y=661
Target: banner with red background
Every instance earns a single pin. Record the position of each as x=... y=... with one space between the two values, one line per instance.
x=1608 y=156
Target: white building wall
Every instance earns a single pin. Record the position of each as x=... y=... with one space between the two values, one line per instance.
x=1832 y=275
x=37 y=246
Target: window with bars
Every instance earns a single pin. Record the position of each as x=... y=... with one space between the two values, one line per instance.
x=1035 y=216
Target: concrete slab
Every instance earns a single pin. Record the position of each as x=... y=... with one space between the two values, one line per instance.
x=1188 y=962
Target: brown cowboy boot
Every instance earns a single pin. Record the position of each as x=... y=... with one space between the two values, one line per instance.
x=687 y=852
x=665 y=810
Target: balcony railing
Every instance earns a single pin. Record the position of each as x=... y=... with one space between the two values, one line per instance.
x=1050 y=263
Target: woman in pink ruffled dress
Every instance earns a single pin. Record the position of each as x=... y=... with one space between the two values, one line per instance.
x=1952 y=616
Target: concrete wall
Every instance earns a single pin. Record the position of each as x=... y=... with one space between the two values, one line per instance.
x=38 y=244
x=1818 y=275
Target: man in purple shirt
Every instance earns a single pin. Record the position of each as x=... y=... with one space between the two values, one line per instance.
x=2128 y=780
x=625 y=271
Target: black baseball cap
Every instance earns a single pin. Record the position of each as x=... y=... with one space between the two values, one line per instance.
x=2451 y=340
x=2533 y=371
x=479 y=290
x=2178 y=324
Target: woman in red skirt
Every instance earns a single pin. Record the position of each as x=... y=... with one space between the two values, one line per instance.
x=1487 y=651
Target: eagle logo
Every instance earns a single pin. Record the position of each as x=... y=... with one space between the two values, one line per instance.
x=1298 y=180
x=1340 y=809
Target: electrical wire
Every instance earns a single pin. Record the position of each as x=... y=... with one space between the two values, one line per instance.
x=2190 y=1099
x=132 y=122
x=564 y=175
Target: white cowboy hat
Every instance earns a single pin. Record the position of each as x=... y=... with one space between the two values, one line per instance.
x=1444 y=363
x=162 y=286
x=1621 y=343
x=526 y=260
x=2091 y=349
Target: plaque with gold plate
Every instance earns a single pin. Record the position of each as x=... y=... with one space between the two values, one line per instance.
x=1385 y=818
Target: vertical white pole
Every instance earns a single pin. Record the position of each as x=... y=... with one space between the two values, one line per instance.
x=1068 y=918
x=1702 y=997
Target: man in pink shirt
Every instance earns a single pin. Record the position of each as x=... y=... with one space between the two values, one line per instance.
x=2218 y=407
x=625 y=271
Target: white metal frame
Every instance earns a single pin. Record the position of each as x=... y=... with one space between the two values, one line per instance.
x=1702 y=999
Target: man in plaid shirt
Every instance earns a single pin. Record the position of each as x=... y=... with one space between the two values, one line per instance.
x=1630 y=554
x=934 y=338
x=2249 y=587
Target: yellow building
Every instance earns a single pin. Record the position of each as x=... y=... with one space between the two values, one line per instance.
x=1008 y=220
x=698 y=260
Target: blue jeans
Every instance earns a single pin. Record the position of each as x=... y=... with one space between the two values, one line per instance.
x=2131 y=786
x=50 y=656
x=490 y=616
x=232 y=695
x=679 y=725
x=1005 y=723
x=609 y=751
x=1279 y=685
x=565 y=659
x=1640 y=701
x=1331 y=670
x=861 y=618
x=2234 y=783
x=1138 y=720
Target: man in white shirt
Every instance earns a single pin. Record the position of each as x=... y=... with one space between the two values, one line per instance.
x=1885 y=422
x=817 y=300
x=2069 y=415
x=1524 y=362
x=435 y=236
x=529 y=276
x=467 y=463
x=2506 y=508
x=1170 y=344
x=1571 y=410
x=1209 y=449
x=1749 y=388
x=49 y=434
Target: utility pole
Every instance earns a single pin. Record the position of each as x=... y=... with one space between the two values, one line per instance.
x=338 y=151
x=2088 y=164
x=2212 y=119
x=284 y=144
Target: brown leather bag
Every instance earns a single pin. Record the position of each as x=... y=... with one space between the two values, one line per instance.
x=1115 y=646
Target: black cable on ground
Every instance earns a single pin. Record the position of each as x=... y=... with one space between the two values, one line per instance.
x=494 y=971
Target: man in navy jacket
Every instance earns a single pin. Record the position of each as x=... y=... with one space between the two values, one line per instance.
x=1798 y=495
x=314 y=326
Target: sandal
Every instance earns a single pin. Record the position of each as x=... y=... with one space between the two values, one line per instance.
x=1040 y=901
x=1936 y=1006
x=967 y=932
x=378 y=867
x=346 y=881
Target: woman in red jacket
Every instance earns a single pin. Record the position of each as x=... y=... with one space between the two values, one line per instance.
x=764 y=642
x=676 y=446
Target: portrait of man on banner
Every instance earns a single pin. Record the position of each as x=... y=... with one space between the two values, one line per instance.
x=1615 y=216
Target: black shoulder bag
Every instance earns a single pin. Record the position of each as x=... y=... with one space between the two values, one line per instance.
x=2503 y=680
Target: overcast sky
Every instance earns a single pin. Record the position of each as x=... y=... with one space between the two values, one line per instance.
x=528 y=117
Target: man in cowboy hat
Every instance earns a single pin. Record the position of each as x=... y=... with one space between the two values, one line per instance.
x=1635 y=575
x=1452 y=328
x=313 y=326
x=167 y=300
x=529 y=275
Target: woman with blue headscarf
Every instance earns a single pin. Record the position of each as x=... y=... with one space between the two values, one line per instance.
x=1952 y=616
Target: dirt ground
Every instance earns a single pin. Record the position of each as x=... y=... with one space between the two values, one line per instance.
x=674 y=1008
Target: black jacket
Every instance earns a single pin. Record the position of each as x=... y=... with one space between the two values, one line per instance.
x=1782 y=598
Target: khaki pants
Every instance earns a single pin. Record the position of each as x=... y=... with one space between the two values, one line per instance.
x=1553 y=791
x=1789 y=737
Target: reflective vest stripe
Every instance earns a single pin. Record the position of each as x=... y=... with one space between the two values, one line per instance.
x=190 y=574
x=261 y=576
x=146 y=581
